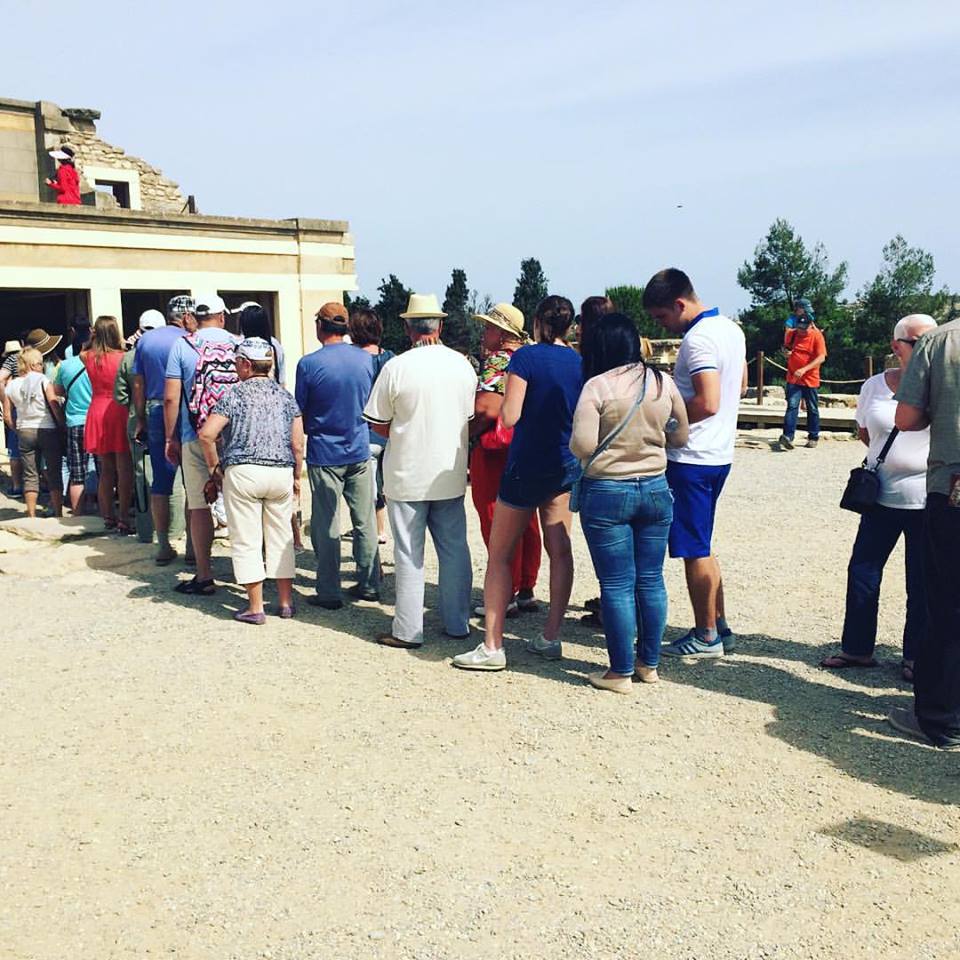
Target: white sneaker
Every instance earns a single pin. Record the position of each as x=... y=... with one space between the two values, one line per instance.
x=512 y=609
x=481 y=658
x=547 y=650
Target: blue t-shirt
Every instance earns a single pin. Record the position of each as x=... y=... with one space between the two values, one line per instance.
x=333 y=385
x=182 y=365
x=541 y=438
x=78 y=390
x=151 y=356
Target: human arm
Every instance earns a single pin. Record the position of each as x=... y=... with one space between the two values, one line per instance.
x=909 y=418
x=379 y=409
x=913 y=394
x=297 y=439
x=486 y=409
x=121 y=385
x=8 y=413
x=585 y=432
x=53 y=404
x=516 y=391
x=678 y=411
x=705 y=401
x=744 y=380
x=172 y=390
x=207 y=435
x=54 y=184
x=140 y=403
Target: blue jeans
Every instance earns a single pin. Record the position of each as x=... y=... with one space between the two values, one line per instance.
x=796 y=393
x=880 y=529
x=626 y=523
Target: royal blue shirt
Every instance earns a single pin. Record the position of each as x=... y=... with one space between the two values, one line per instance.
x=333 y=385
x=150 y=359
x=541 y=438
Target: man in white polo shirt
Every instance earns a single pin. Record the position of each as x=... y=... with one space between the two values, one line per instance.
x=711 y=375
x=422 y=401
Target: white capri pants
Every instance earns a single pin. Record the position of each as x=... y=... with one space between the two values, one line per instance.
x=259 y=502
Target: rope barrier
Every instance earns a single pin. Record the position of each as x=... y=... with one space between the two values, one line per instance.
x=834 y=382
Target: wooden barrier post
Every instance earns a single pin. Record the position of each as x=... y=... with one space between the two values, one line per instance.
x=759 y=378
x=868 y=367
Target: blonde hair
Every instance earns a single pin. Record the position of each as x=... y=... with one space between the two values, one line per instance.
x=26 y=359
x=261 y=367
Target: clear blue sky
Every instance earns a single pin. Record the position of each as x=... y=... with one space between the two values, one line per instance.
x=472 y=135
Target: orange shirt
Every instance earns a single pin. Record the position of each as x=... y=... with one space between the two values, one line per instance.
x=804 y=346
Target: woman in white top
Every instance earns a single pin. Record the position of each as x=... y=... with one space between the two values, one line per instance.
x=39 y=424
x=899 y=510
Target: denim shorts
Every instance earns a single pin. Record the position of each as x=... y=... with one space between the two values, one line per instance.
x=528 y=493
x=163 y=472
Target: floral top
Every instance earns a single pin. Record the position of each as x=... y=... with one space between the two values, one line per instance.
x=260 y=414
x=493 y=372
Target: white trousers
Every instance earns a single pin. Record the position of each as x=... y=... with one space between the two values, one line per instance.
x=259 y=502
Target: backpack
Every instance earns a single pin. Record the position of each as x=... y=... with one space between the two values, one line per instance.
x=214 y=375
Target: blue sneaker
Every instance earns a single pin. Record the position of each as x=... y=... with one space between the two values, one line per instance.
x=691 y=647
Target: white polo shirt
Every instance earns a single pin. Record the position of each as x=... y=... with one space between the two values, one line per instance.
x=427 y=396
x=712 y=342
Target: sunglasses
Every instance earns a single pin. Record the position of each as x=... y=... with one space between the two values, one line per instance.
x=909 y=343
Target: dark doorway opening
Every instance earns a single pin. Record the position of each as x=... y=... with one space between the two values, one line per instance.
x=234 y=298
x=50 y=310
x=135 y=302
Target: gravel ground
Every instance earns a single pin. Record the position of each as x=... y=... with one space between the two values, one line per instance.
x=174 y=784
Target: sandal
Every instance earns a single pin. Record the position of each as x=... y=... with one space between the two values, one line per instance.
x=110 y=523
x=840 y=661
x=906 y=670
x=195 y=587
x=123 y=529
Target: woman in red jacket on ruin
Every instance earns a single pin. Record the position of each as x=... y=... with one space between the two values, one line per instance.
x=67 y=182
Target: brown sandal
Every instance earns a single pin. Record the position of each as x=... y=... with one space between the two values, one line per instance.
x=840 y=661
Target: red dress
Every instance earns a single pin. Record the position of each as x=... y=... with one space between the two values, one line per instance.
x=106 y=427
x=67 y=185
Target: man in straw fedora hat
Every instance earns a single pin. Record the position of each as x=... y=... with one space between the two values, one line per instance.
x=503 y=333
x=423 y=402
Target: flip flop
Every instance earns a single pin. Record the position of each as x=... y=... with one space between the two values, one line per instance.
x=195 y=587
x=839 y=662
x=906 y=671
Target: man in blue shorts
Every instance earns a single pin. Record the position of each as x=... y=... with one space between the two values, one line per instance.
x=149 y=379
x=711 y=375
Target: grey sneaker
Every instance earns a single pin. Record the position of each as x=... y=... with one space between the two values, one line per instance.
x=480 y=658
x=729 y=640
x=785 y=444
x=812 y=444
x=545 y=649
x=691 y=647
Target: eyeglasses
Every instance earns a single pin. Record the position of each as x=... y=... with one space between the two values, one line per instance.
x=909 y=343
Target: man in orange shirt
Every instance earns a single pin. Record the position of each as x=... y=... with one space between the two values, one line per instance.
x=806 y=351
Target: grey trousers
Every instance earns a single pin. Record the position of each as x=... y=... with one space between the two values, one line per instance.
x=447 y=523
x=327 y=486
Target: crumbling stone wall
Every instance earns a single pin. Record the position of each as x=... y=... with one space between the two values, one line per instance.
x=77 y=128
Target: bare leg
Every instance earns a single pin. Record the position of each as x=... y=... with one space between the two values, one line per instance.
x=284 y=592
x=30 y=499
x=721 y=607
x=508 y=526
x=201 y=530
x=254 y=595
x=124 y=485
x=75 y=491
x=105 y=485
x=703 y=584
x=555 y=521
x=16 y=473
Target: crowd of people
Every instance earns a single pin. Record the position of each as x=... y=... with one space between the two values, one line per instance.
x=544 y=432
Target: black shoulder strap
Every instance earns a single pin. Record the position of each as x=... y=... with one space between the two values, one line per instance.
x=76 y=377
x=887 y=446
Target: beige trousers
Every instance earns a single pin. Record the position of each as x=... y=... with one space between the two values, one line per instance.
x=259 y=502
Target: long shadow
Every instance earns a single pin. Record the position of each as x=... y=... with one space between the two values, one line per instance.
x=847 y=727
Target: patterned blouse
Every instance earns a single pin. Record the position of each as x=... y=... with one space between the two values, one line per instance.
x=260 y=414
x=493 y=372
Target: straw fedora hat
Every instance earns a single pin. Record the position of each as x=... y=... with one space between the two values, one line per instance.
x=422 y=306
x=505 y=316
x=42 y=341
x=11 y=346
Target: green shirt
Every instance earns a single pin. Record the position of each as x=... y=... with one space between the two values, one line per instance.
x=931 y=383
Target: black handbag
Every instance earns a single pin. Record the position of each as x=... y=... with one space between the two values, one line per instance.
x=863 y=486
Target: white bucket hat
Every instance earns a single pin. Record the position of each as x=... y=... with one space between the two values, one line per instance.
x=422 y=306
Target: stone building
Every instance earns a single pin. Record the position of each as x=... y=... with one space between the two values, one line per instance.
x=136 y=240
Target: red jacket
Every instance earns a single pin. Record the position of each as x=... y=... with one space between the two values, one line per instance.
x=67 y=184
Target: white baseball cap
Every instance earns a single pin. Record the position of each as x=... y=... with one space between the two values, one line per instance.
x=209 y=304
x=255 y=348
x=151 y=319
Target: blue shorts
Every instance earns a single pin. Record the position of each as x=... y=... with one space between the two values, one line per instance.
x=696 y=488
x=527 y=493
x=163 y=472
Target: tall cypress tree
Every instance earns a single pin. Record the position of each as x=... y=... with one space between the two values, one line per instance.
x=393 y=301
x=530 y=290
x=460 y=332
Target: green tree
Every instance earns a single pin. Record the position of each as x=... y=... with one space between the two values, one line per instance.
x=358 y=302
x=530 y=290
x=479 y=304
x=628 y=299
x=393 y=301
x=782 y=270
x=459 y=331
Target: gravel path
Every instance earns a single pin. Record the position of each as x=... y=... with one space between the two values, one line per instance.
x=176 y=785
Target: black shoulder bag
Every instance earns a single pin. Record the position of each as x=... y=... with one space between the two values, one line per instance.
x=863 y=486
